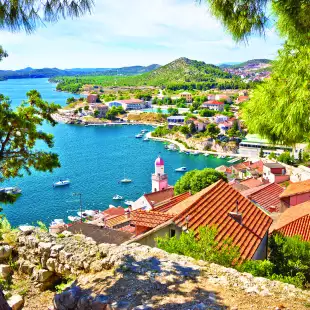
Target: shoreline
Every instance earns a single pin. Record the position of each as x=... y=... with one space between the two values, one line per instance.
x=183 y=148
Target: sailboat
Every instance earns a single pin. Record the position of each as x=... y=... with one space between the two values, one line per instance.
x=125 y=180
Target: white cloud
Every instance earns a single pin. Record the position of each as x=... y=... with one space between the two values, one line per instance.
x=123 y=32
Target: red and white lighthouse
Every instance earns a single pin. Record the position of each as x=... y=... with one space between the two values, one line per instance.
x=159 y=178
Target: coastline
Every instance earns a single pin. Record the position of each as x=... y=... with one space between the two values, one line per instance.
x=183 y=148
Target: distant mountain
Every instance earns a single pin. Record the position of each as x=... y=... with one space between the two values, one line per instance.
x=252 y=62
x=182 y=73
x=52 y=72
x=228 y=64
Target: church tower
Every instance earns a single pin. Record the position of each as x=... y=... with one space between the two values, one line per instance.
x=159 y=178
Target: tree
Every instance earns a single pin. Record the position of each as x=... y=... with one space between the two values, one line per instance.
x=279 y=107
x=261 y=153
x=96 y=113
x=196 y=180
x=70 y=100
x=19 y=134
x=159 y=111
x=86 y=108
x=272 y=155
x=286 y=158
x=173 y=111
x=212 y=130
x=192 y=128
x=184 y=129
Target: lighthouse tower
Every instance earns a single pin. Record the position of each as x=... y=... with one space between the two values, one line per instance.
x=159 y=178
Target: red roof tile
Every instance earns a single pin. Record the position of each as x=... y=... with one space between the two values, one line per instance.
x=214 y=102
x=149 y=219
x=299 y=227
x=212 y=205
x=296 y=188
x=109 y=213
x=166 y=205
x=251 y=183
x=156 y=197
x=266 y=196
x=259 y=166
x=128 y=101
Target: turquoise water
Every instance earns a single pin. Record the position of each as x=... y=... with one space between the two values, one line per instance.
x=95 y=159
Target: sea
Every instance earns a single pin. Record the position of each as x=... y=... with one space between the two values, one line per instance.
x=94 y=158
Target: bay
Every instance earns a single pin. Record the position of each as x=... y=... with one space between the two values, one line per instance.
x=94 y=159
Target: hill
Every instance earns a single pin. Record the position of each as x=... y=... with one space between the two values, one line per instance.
x=252 y=62
x=182 y=73
x=52 y=72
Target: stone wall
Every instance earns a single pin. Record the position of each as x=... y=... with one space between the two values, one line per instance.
x=148 y=271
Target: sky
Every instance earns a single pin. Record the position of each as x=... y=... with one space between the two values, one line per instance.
x=133 y=32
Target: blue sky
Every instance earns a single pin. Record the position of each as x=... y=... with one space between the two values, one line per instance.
x=133 y=32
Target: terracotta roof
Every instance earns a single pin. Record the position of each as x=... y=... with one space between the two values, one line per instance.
x=128 y=228
x=116 y=220
x=149 y=219
x=238 y=187
x=259 y=166
x=266 y=196
x=274 y=165
x=212 y=205
x=251 y=182
x=128 y=101
x=296 y=188
x=292 y=214
x=243 y=98
x=214 y=102
x=299 y=227
x=242 y=166
x=113 y=212
x=156 y=197
x=166 y=205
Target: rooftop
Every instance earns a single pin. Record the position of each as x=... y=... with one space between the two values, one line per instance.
x=156 y=197
x=213 y=102
x=251 y=183
x=166 y=205
x=266 y=196
x=296 y=188
x=274 y=165
x=113 y=212
x=149 y=219
x=212 y=206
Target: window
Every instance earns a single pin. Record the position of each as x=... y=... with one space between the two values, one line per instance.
x=172 y=233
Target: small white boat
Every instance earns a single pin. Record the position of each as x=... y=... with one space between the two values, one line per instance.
x=181 y=169
x=125 y=180
x=139 y=135
x=118 y=197
x=11 y=190
x=129 y=202
x=74 y=218
x=57 y=222
x=61 y=183
x=90 y=212
x=146 y=139
x=172 y=147
x=81 y=214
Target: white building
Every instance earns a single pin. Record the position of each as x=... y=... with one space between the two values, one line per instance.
x=159 y=177
x=213 y=105
x=130 y=104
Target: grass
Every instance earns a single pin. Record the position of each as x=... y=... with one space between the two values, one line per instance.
x=67 y=282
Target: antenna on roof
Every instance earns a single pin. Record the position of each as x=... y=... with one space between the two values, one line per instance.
x=236 y=215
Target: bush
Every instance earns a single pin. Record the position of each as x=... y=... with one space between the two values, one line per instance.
x=7 y=233
x=205 y=247
x=42 y=226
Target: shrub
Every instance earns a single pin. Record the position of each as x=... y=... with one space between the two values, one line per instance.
x=205 y=247
x=7 y=233
x=42 y=226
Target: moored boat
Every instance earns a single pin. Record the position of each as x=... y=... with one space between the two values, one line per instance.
x=139 y=135
x=61 y=183
x=118 y=197
x=181 y=169
x=129 y=202
x=74 y=218
x=126 y=180
x=11 y=190
x=146 y=139
x=57 y=222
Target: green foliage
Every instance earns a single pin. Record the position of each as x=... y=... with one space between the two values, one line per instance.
x=196 y=180
x=42 y=226
x=192 y=128
x=272 y=155
x=67 y=282
x=212 y=130
x=160 y=131
x=207 y=113
x=184 y=130
x=173 y=111
x=60 y=236
x=113 y=112
x=70 y=100
x=286 y=158
x=19 y=135
x=204 y=247
x=261 y=153
x=8 y=234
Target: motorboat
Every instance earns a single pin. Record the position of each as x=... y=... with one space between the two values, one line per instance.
x=74 y=218
x=57 y=222
x=129 y=202
x=117 y=197
x=11 y=190
x=139 y=135
x=125 y=180
x=146 y=139
x=172 y=147
x=61 y=183
x=90 y=212
x=82 y=214
x=181 y=169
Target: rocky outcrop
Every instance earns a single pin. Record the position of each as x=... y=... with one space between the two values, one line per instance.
x=134 y=276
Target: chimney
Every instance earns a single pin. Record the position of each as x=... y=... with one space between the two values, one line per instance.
x=237 y=216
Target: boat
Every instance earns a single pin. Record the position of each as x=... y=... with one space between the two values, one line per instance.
x=126 y=180
x=61 y=183
x=181 y=169
x=117 y=197
x=146 y=139
x=90 y=212
x=172 y=147
x=11 y=190
x=81 y=214
x=144 y=130
x=129 y=202
x=139 y=135
x=74 y=218
x=57 y=222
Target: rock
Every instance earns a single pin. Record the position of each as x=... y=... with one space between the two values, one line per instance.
x=100 y=302
x=212 y=297
x=265 y=293
x=26 y=229
x=68 y=299
x=50 y=264
x=84 y=303
x=200 y=306
x=42 y=275
x=252 y=290
x=16 y=302
x=55 y=249
x=45 y=247
x=121 y=305
x=5 y=251
x=67 y=233
x=5 y=271
x=26 y=267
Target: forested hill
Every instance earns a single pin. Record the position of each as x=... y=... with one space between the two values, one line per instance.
x=52 y=72
x=182 y=73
